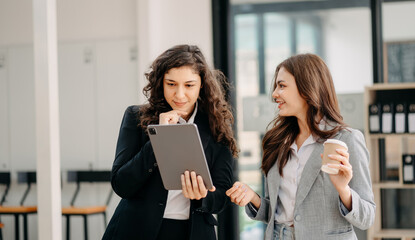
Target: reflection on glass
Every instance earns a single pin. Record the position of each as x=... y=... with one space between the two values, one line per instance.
x=277 y=44
x=246 y=64
x=246 y=55
x=308 y=34
x=250 y=229
x=399 y=40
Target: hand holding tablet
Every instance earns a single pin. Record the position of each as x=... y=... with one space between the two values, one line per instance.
x=193 y=186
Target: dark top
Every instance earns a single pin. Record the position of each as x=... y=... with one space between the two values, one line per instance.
x=136 y=179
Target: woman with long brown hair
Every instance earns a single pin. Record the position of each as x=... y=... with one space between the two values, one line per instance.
x=301 y=201
x=181 y=88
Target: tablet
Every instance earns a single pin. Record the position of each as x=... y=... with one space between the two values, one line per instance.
x=177 y=148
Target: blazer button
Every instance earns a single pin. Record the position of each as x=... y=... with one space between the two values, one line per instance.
x=150 y=170
x=155 y=164
x=297 y=218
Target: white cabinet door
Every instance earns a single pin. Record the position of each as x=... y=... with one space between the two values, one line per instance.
x=4 y=112
x=77 y=91
x=21 y=108
x=117 y=88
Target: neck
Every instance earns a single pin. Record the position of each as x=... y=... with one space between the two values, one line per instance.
x=304 y=129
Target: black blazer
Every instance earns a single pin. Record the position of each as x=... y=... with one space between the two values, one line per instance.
x=136 y=179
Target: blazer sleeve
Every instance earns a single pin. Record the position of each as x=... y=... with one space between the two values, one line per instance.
x=261 y=214
x=134 y=159
x=362 y=214
x=222 y=177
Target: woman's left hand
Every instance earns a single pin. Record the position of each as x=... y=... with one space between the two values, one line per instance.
x=193 y=186
x=342 y=179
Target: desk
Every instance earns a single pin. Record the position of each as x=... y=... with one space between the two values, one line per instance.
x=17 y=211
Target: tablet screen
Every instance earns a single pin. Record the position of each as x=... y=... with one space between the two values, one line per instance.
x=177 y=148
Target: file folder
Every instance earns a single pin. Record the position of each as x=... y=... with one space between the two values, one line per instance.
x=411 y=118
x=401 y=118
x=408 y=168
x=388 y=124
x=374 y=118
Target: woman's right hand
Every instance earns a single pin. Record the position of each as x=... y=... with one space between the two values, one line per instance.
x=241 y=194
x=171 y=117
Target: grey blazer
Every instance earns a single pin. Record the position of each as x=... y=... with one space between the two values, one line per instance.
x=317 y=212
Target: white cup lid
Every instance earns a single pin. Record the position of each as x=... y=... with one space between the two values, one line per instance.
x=335 y=141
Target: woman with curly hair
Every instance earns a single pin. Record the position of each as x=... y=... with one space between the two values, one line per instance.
x=181 y=89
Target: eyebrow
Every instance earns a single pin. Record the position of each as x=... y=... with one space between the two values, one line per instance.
x=171 y=80
x=279 y=81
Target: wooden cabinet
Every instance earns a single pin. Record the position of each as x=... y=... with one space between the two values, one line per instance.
x=386 y=165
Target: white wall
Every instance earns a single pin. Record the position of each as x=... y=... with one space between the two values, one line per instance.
x=16 y=22
x=348 y=48
x=104 y=48
x=398 y=21
x=165 y=23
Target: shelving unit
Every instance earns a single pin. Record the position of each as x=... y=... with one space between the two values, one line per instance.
x=373 y=94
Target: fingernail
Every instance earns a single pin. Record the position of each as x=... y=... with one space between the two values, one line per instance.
x=330 y=155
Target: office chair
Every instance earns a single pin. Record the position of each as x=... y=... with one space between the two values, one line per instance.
x=85 y=211
x=22 y=177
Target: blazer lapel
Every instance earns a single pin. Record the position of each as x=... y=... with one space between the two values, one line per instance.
x=312 y=168
x=273 y=181
x=202 y=123
x=309 y=175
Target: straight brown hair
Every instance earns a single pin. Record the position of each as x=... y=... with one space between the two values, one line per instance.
x=315 y=85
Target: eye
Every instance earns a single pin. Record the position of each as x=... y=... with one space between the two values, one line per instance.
x=281 y=85
x=170 y=84
x=190 y=85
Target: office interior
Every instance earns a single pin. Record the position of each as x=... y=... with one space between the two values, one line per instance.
x=105 y=47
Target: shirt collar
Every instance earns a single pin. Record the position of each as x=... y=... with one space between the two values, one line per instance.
x=322 y=125
x=192 y=118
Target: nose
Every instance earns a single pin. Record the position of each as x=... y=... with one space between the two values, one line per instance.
x=275 y=93
x=180 y=93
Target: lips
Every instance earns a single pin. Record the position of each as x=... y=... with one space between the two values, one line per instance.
x=179 y=104
x=280 y=103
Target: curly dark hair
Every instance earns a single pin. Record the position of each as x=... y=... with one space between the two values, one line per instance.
x=211 y=97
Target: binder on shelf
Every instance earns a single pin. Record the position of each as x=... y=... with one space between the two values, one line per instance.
x=374 y=118
x=408 y=163
x=382 y=160
x=401 y=121
x=388 y=124
x=411 y=118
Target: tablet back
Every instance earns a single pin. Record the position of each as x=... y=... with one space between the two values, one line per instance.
x=177 y=148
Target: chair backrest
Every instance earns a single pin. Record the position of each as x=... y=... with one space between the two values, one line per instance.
x=88 y=176
x=5 y=180
x=28 y=177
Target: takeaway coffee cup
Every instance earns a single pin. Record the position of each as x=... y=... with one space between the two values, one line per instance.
x=330 y=146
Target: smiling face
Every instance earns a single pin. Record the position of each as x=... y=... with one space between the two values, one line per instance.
x=289 y=100
x=181 y=88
